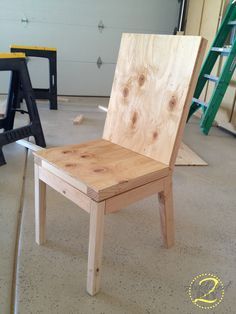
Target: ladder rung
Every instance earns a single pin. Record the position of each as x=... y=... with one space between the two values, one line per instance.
x=212 y=78
x=232 y=23
x=224 y=51
x=200 y=102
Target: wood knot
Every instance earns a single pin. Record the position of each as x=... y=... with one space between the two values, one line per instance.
x=172 y=103
x=66 y=151
x=125 y=92
x=134 y=119
x=141 y=80
x=85 y=155
x=155 y=135
x=100 y=170
x=70 y=165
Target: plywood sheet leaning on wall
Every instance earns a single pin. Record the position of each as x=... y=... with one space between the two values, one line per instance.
x=203 y=19
x=150 y=82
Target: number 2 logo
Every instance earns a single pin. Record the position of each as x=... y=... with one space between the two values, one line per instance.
x=206 y=291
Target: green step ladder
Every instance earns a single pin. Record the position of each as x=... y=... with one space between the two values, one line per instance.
x=209 y=110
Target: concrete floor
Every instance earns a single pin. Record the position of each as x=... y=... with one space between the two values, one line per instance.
x=139 y=275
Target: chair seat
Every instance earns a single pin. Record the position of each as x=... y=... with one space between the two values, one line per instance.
x=100 y=168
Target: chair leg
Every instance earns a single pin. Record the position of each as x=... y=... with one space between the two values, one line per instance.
x=40 y=207
x=167 y=214
x=96 y=230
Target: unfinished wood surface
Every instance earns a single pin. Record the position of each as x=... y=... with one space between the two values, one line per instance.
x=77 y=197
x=102 y=169
x=210 y=20
x=78 y=120
x=187 y=157
x=40 y=207
x=167 y=213
x=153 y=86
x=120 y=201
x=223 y=120
x=29 y=145
x=95 y=247
x=103 y=108
x=194 y=17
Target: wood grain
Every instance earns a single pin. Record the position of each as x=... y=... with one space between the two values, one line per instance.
x=151 y=92
x=187 y=157
x=96 y=234
x=100 y=168
x=167 y=213
x=61 y=186
x=40 y=207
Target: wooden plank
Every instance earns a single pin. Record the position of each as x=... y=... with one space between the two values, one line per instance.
x=96 y=233
x=117 y=202
x=222 y=120
x=29 y=145
x=210 y=20
x=151 y=93
x=103 y=108
x=187 y=157
x=78 y=120
x=40 y=207
x=194 y=17
x=65 y=176
x=100 y=168
x=65 y=189
x=167 y=213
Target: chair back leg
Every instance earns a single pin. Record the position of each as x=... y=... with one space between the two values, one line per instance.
x=166 y=213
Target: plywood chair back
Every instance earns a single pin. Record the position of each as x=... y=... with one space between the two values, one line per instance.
x=152 y=90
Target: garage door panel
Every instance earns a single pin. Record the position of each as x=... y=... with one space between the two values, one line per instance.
x=87 y=43
x=72 y=27
x=85 y=79
x=135 y=14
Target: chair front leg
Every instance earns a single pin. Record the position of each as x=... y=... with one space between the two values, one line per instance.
x=40 y=207
x=167 y=213
x=96 y=233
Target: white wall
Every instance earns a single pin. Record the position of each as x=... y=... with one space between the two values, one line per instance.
x=72 y=27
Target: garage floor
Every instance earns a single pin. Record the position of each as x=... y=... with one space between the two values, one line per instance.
x=139 y=275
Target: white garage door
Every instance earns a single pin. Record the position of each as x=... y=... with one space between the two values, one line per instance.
x=72 y=27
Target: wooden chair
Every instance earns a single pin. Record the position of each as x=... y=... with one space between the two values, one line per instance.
x=153 y=86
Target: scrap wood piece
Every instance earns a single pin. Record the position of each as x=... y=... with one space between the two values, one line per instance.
x=223 y=121
x=2 y=108
x=63 y=99
x=103 y=108
x=78 y=120
x=187 y=157
x=29 y=145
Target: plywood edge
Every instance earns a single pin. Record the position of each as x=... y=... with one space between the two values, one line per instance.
x=64 y=188
x=122 y=187
x=65 y=176
x=193 y=82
